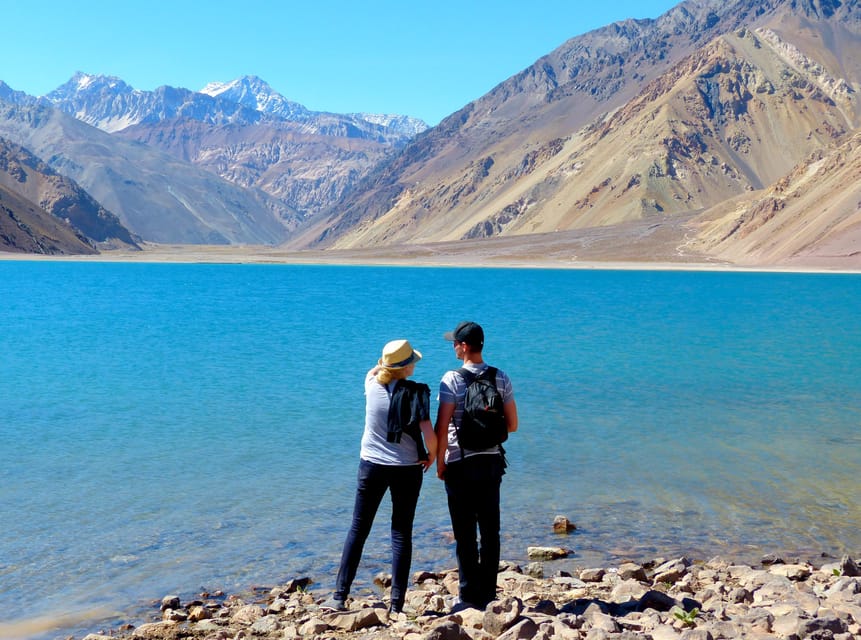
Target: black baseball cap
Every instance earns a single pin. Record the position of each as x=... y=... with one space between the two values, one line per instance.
x=468 y=332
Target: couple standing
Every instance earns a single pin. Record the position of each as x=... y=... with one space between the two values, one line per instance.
x=394 y=463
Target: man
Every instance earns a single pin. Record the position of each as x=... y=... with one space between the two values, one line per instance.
x=472 y=477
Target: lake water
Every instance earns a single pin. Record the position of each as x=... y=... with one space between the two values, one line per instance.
x=175 y=428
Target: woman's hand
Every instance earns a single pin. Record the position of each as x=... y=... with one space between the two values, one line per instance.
x=430 y=442
x=444 y=414
x=427 y=464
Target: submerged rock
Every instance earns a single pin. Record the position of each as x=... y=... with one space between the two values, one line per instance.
x=546 y=553
x=561 y=524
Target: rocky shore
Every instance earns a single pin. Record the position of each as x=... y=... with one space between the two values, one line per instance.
x=661 y=600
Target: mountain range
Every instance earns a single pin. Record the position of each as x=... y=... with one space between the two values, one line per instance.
x=728 y=127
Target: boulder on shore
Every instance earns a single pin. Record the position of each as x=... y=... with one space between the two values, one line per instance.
x=717 y=599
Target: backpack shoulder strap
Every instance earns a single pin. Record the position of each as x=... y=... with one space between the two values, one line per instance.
x=467 y=375
x=487 y=374
x=391 y=390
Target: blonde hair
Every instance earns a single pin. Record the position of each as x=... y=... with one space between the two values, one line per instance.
x=385 y=375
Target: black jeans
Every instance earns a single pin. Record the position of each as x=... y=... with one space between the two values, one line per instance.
x=404 y=484
x=472 y=486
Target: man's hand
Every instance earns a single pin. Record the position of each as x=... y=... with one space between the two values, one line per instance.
x=429 y=462
x=444 y=414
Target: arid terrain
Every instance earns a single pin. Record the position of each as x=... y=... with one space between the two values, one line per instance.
x=634 y=245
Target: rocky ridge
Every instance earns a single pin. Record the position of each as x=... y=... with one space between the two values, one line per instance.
x=236 y=163
x=640 y=120
x=155 y=196
x=660 y=600
x=110 y=104
x=33 y=179
x=26 y=228
x=815 y=207
x=244 y=132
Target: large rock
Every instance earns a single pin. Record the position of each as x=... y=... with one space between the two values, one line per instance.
x=592 y=575
x=448 y=630
x=501 y=615
x=632 y=571
x=155 y=631
x=546 y=553
x=792 y=571
x=526 y=629
x=657 y=600
x=561 y=524
x=672 y=571
x=848 y=567
x=247 y=615
x=313 y=627
x=355 y=620
x=829 y=623
x=265 y=625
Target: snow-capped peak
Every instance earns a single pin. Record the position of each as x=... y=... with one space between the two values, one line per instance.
x=255 y=93
x=215 y=89
x=83 y=81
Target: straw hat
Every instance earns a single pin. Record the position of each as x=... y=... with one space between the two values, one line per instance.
x=397 y=354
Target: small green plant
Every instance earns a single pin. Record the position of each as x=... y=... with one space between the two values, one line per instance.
x=837 y=572
x=688 y=618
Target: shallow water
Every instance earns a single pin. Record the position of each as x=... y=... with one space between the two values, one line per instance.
x=172 y=428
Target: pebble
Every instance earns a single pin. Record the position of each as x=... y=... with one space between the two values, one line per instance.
x=675 y=599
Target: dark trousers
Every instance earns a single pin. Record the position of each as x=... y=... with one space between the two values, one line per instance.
x=404 y=484
x=472 y=486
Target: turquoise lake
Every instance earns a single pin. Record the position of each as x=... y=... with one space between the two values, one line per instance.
x=177 y=428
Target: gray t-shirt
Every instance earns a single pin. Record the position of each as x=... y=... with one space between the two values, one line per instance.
x=452 y=388
x=374 y=446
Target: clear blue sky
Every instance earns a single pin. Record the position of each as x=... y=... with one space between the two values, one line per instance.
x=424 y=59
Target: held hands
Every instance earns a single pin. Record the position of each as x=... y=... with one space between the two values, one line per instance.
x=430 y=443
x=440 y=469
x=429 y=462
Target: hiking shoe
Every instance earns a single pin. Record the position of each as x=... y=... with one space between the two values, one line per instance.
x=404 y=609
x=333 y=604
x=460 y=605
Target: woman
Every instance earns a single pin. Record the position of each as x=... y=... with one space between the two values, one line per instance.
x=394 y=453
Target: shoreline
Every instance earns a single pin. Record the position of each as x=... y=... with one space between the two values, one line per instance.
x=645 y=244
x=452 y=255
x=663 y=598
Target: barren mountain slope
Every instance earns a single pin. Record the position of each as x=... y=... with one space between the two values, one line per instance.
x=244 y=132
x=25 y=228
x=811 y=217
x=676 y=135
x=307 y=170
x=29 y=177
x=155 y=196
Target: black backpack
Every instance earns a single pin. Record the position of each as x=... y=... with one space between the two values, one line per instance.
x=482 y=425
x=409 y=404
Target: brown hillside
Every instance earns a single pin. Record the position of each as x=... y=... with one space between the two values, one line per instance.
x=159 y=198
x=306 y=170
x=619 y=126
x=25 y=228
x=26 y=175
x=811 y=217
